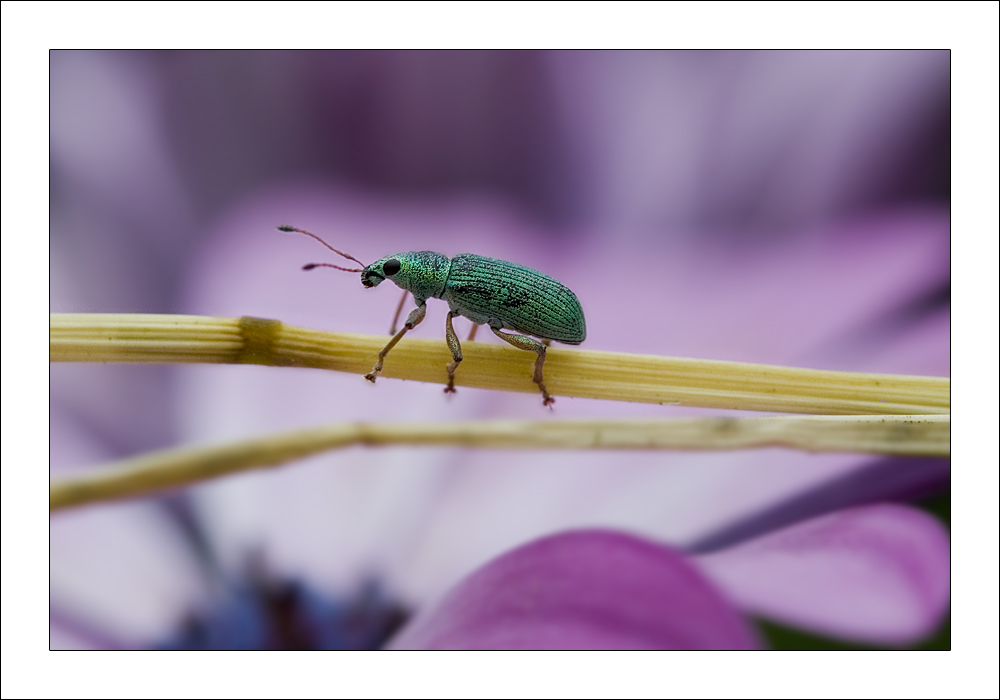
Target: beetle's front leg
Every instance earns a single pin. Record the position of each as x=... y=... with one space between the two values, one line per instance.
x=415 y=317
x=456 y=351
x=525 y=343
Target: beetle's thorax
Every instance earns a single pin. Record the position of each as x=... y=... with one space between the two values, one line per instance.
x=422 y=273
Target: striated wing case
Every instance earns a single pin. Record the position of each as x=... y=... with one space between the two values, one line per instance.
x=508 y=295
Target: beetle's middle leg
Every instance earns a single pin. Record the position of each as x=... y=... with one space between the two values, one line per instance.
x=525 y=343
x=456 y=351
x=415 y=317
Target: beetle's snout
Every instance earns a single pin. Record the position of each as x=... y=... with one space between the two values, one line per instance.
x=370 y=278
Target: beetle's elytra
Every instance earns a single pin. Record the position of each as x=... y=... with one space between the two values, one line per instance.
x=502 y=294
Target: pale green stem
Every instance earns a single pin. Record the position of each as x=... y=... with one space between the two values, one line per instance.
x=898 y=435
x=568 y=372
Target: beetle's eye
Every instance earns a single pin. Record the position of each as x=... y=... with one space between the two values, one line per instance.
x=391 y=266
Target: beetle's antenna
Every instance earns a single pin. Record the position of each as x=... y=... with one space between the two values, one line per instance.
x=335 y=267
x=292 y=229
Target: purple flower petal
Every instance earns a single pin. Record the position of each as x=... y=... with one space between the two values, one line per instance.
x=878 y=573
x=894 y=479
x=582 y=590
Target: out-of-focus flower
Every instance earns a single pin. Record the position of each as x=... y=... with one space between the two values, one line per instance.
x=656 y=272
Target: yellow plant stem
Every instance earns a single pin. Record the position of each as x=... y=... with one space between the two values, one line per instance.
x=581 y=373
x=899 y=435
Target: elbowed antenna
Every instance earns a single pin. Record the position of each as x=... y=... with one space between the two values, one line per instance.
x=292 y=229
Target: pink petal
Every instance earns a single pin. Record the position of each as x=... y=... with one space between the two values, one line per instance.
x=582 y=590
x=878 y=573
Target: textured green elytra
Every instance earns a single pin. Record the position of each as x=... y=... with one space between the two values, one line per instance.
x=498 y=293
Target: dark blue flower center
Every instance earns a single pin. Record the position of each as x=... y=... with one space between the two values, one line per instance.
x=289 y=615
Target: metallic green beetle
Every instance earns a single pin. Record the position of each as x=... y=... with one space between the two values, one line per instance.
x=499 y=293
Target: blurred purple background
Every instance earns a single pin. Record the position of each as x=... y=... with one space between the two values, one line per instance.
x=780 y=207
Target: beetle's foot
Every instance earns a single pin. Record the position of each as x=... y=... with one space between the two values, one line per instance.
x=376 y=370
x=547 y=399
x=450 y=389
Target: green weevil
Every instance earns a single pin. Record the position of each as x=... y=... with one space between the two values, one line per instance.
x=484 y=290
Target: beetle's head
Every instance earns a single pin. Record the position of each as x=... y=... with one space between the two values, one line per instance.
x=387 y=268
x=421 y=272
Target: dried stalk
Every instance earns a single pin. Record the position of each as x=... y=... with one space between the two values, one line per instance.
x=899 y=435
x=582 y=373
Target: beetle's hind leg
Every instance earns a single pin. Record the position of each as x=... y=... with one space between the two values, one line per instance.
x=456 y=352
x=523 y=342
